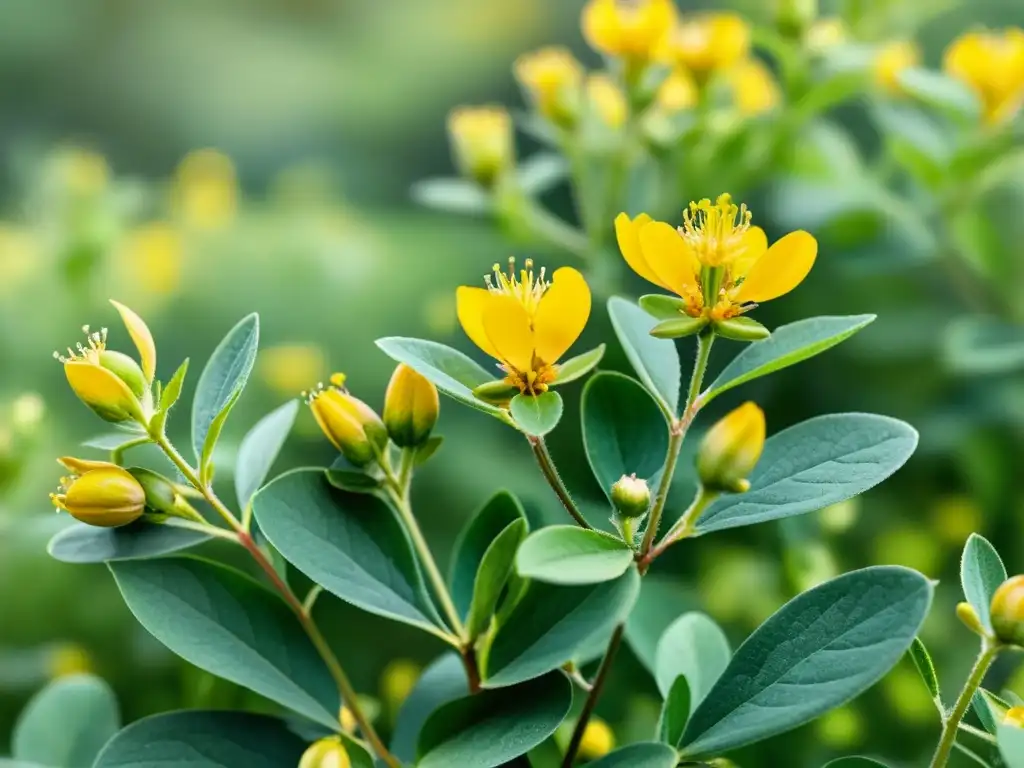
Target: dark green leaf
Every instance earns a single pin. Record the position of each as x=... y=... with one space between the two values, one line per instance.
x=695 y=647
x=624 y=429
x=493 y=727
x=577 y=367
x=207 y=739
x=223 y=379
x=675 y=712
x=443 y=681
x=495 y=569
x=351 y=544
x=536 y=415
x=990 y=709
x=816 y=463
x=644 y=755
x=550 y=623
x=259 y=449
x=981 y=573
x=570 y=555
x=348 y=477
x=81 y=543
x=854 y=762
x=787 y=346
x=225 y=623
x=925 y=667
x=67 y=723
x=817 y=652
x=655 y=361
x=452 y=195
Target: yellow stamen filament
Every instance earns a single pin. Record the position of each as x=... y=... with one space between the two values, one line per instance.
x=715 y=232
x=97 y=341
x=526 y=287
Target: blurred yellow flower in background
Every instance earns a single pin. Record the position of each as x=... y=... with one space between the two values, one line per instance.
x=753 y=86
x=551 y=78
x=153 y=255
x=826 y=33
x=910 y=546
x=677 y=92
x=630 y=29
x=607 y=100
x=81 y=172
x=66 y=659
x=205 y=190
x=891 y=60
x=19 y=258
x=397 y=681
x=598 y=740
x=708 y=43
x=287 y=368
x=955 y=517
x=482 y=142
x=992 y=65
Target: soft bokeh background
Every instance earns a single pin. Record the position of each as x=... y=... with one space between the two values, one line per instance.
x=199 y=161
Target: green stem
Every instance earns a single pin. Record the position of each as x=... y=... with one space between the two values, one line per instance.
x=951 y=725
x=683 y=527
x=547 y=467
x=592 y=696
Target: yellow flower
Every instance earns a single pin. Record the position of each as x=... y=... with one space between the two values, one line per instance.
x=481 y=139
x=353 y=426
x=717 y=262
x=525 y=321
x=206 y=189
x=1007 y=611
x=731 y=449
x=598 y=740
x=892 y=59
x=631 y=29
x=411 y=407
x=285 y=368
x=753 y=86
x=103 y=494
x=154 y=252
x=992 y=65
x=677 y=92
x=551 y=78
x=607 y=100
x=397 y=681
x=328 y=752
x=708 y=43
x=826 y=33
x=66 y=659
x=1014 y=716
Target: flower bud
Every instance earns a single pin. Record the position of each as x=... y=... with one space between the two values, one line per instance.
x=678 y=327
x=631 y=496
x=162 y=495
x=598 y=740
x=411 y=406
x=551 y=78
x=482 y=143
x=103 y=391
x=353 y=426
x=104 y=495
x=1007 y=611
x=730 y=450
x=741 y=329
x=792 y=17
x=326 y=753
x=969 y=618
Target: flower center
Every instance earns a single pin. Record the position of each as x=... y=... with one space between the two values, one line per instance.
x=525 y=287
x=97 y=341
x=715 y=231
x=337 y=382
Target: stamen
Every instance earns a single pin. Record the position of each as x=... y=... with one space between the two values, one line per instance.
x=715 y=231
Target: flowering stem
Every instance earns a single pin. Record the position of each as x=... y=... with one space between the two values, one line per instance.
x=951 y=724
x=592 y=696
x=683 y=527
x=547 y=467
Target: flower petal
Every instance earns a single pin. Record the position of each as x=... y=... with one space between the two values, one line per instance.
x=627 y=232
x=672 y=260
x=508 y=328
x=143 y=339
x=755 y=243
x=470 y=303
x=562 y=314
x=782 y=268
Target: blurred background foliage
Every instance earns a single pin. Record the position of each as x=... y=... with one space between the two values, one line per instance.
x=199 y=161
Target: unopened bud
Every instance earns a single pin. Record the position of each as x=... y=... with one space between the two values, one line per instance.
x=105 y=495
x=1007 y=611
x=730 y=450
x=411 y=406
x=326 y=753
x=741 y=329
x=103 y=391
x=794 y=16
x=552 y=78
x=162 y=495
x=969 y=618
x=678 y=327
x=631 y=496
x=598 y=740
x=353 y=426
x=481 y=139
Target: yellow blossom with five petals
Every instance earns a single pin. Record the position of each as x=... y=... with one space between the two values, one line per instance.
x=525 y=321
x=992 y=65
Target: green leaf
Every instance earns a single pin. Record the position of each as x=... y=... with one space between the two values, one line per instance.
x=656 y=361
x=113 y=440
x=493 y=727
x=577 y=367
x=81 y=543
x=643 y=755
x=206 y=467
x=680 y=327
x=925 y=667
x=984 y=346
x=451 y=371
x=348 y=477
x=940 y=90
x=981 y=573
x=662 y=599
x=222 y=380
x=259 y=450
x=536 y=415
x=425 y=451
x=624 y=429
x=675 y=712
x=550 y=623
x=495 y=569
x=486 y=524
x=225 y=623
x=169 y=397
x=816 y=463
x=1011 y=745
x=820 y=650
x=989 y=708
x=854 y=762
x=452 y=195
x=787 y=346
x=662 y=307
x=570 y=555
x=442 y=681
x=351 y=544
x=695 y=647
x=67 y=723
x=214 y=739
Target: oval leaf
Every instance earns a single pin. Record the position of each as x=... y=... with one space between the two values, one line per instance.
x=67 y=723
x=81 y=543
x=222 y=381
x=981 y=573
x=567 y=554
x=675 y=712
x=259 y=449
x=695 y=647
x=550 y=623
x=443 y=681
x=495 y=569
x=351 y=544
x=624 y=430
x=656 y=361
x=1011 y=745
x=816 y=463
x=451 y=371
x=645 y=755
x=787 y=346
x=536 y=415
x=926 y=669
x=817 y=652
x=577 y=367
x=493 y=727
x=225 y=623
x=213 y=739
x=662 y=599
